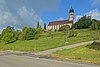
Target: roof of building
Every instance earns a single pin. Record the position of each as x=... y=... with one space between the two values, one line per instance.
x=71 y=10
x=60 y=22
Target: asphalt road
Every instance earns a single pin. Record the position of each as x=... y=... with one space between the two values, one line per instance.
x=25 y=61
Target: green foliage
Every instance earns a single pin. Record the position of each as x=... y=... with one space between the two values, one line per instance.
x=71 y=33
x=44 y=26
x=8 y=35
x=50 y=34
x=84 y=22
x=81 y=53
x=18 y=34
x=64 y=28
x=38 y=25
x=94 y=26
x=55 y=30
x=95 y=45
x=36 y=37
x=28 y=33
x=0 y=36
x=45 y=42
x=39 y=30
x=98 y=25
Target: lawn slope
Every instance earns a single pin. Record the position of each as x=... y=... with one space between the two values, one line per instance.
x=46 y=42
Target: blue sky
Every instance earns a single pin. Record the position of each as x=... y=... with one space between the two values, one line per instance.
x=19 y=13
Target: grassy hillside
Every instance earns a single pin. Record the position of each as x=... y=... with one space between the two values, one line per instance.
x=87 y=53
x=45 y=42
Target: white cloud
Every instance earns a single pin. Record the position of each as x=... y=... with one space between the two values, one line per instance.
x=28 y=18
x=21 y=17
x=95 y=2
x=61 y=18
x=78 y=17
x=95 y=14
x=20 y=13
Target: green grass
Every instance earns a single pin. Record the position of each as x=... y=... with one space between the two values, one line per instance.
x=44 y=42
x=34 y=45
x=82 y=53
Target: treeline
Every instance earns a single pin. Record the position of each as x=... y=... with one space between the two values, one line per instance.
x=87 y=22
x=9 y=35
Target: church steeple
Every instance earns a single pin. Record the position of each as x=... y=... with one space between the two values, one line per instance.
x=71 y=16
x=71 y=10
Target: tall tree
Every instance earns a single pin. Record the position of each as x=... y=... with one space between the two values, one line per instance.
x=18 y=34
x=84 y=22
x=94 y=26
x=28 y=33
x=8 y=35
x=38 y=25
x=45 y=26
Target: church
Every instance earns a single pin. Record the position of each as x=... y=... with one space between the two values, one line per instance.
x=55 y=25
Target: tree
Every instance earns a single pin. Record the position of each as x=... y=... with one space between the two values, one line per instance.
x=64 y=28
x=18 y=34
x=39 y=30
x=71 y=33
x=8 y=35
x=38 y=25
x=98 y=24
x=28 y=33
x=84 y=22
x=44 y=26
x=94 y=26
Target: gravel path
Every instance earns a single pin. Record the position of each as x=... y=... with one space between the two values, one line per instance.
x=42 y=52
x=61 y=48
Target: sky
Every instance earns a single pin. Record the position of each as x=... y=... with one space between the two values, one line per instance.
x=19 y=13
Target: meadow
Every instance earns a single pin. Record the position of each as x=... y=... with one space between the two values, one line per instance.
x=81 y=53
x=46 y=42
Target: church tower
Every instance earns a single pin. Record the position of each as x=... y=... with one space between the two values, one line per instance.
x=71 y=16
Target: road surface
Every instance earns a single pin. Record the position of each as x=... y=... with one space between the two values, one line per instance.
x=25 y=61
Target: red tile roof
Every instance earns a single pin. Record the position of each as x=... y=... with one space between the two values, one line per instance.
x=59 y=22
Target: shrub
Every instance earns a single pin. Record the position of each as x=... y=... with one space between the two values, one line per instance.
x=82 y=23
x=71 y=33
x=36 y=37
x=8 y=35
x=28 y=33
x=94 y=26
x=17 y=34
x=64 y=28
x=95 y=45
x=39 y=30
x=50 y=34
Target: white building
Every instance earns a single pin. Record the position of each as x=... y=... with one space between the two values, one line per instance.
x=55 y=25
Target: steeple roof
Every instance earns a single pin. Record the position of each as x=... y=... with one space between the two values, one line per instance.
x=71 y=10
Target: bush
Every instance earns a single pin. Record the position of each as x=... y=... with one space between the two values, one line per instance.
x=55 y=30
x=98 y=23
x=36 y=37
x=94 y=26
x=18 y=34
x=8 y=35
x=28 y=33
x=71 y=33
x=82 y=23
x=50 y=34
x=95 y=45
x=39 y=30
x=64 y=28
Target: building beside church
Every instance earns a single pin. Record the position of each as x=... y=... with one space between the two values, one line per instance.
x=55 y=25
